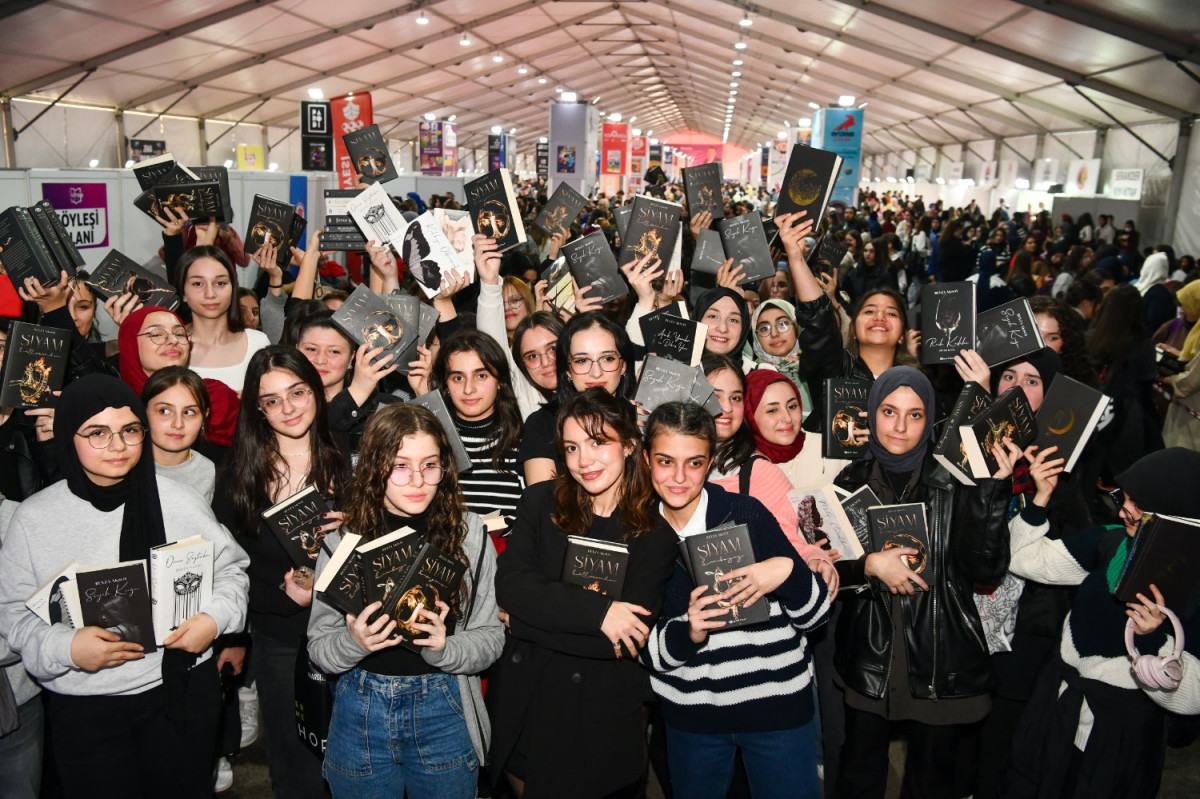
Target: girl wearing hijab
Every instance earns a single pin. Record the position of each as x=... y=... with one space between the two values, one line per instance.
x=125 y=722
x=1151 y=284
x=911 y=648
x=726 y=313
x=1182 y=428
x=775 y=342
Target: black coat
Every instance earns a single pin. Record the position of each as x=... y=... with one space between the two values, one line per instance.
x=944 y=640
x=559 y=689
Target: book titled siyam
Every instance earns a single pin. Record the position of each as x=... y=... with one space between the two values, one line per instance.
x=340 y=583
x=295 y=521
x=181 y=582
x=561 y=210
x=596 y=565
x=369 y=154
x=199 y=200
x=896 y=526
x=494 y=211
x=152 y=170
x=702 y=187
x=270 y=223
x=1166 y=552
x=384 y=563
x=26 y=253
x=621 y=217
x=433 y=577
x=972 y=402
x=711 y=556
x=1009 y=416
x=591 y=262
x=119 y=274
x=220 y=175
x=855 y=507
x=1007 y=332
x=845 y=401
x=653 y=230
x=1068 y=417
x=808 y=182
x=947 y=320
x=367 y=319
x=35 y=365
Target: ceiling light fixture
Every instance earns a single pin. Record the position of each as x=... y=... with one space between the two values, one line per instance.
x=637 y=131
x=541 y=80
x=229 y=163
x=737 y=62
x=740 y=45
x=465 y=41
x=452 y=117
x=569 y=97
x=95 y=162
x=633 y=119
x=543 y=140
x=846 y=100
x=804 y=122
x=781 y=135
x=745 y=21
x=787 y=124
x=498 y=58
x=735 y=74
x=430 y=117
x=863 y=104
x=522 y=70
x=512 y=131
x=615 y=116
x=422 y=19
x=315 y=93
x=497 y=130
x=733 y=83
x=595 y=99
x=814 y=106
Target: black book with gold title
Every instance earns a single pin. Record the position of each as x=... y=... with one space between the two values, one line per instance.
x=972 y=402
x=26 y=253
x=845 y=400
x=894 y=526
x=199 y=200
x=596 y=565
x=218 y=174
x=270 y=222
x=384 y=563
x=296 y=521
x=1010 y=416
x=494 y=210
x=119 y=274
x=702 y=187
x=340 y=583
x=712 y=555
x=653 y=230
x=561 y=210
x=369 y=154
x=433 y=576
x=35 y=364
x=152 y=170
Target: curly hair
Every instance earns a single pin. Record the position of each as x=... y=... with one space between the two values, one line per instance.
x=382 y=439
x=1074 y=356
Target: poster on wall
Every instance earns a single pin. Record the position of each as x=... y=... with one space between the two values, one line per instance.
x=987 y=173
x=83 y=209
x=1082 y=176
x=566 y=160
x=1126 y=184
x=348 y=114
x=956 y=170
x=614 y=144
x=316 y=137
x=141 y=149
x=1008 y=174
x=1046 y=174
x=449 y=148
x=839 y=130
x=249 y=156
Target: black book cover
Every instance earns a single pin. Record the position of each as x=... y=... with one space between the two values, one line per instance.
x=295 y=522
x=299 y=223
x=120 y=274
x=591 y=262
x=340 y=231
x=340 y=583
x=117 y=598
x=947 y=320
x=407 y=309
x=596 y=565
x=972 y=402
x=561 y=210
x=152 y=170
x=437 y=405
x=894 y=526
x=663 y=380
x=829 y=250
x=367 y=318
x=494 y=211
x=35 y=365
x=703 y=394
x=1166 y=552
x=709 y=253
x=26 y=253
x=702 y=187
x=220 y=175
x=1068 y=417
x=653 y=228
x=745 y=241
x=434 y=576
x=66 y=256
x=1007 y=332
x=856 y=506
x=669 y=335
x=385 y=562
x=200 y=200
x=147 y=203
x=845 y=399
x=369 y=154
x=270 y=222
x=559 y=291
x=1168 y=363
x=1010 y=416
x=621 y=217
x=712 y=555
x=808 y=182
x=177 y=175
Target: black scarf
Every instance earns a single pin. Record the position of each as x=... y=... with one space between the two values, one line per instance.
x=884 y=385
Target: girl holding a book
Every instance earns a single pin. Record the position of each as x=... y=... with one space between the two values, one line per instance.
x=283 y=445
x=124 y=721
x=567 y=696
x=746 y=688
x=410 y=719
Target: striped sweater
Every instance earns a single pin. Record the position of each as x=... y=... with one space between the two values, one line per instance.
x=485 y=488
x=753 y=679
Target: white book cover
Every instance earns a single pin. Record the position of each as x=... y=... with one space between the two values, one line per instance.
x=820 y=515
x=181 y=582
x=437 y=242
x=48 y=602
x=377 y=216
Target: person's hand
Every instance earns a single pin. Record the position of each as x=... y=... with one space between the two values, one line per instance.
x=834 y=555
x=540 y=303
x=173 y=222
x=374 y=636
x=912 y=342
x=504 y=618
x=827 y=572
x=298 y=588
x=702 y=617
x=420 y=372
x=453 y=281
x=622 y=627
x=487 y=259
x=195 y=634
x=49 y=298
x=730 y=276
x=973 y=369
x=434 y=624
x=383 y=263
x=699 y=222
x=641 y=274
x=557 y=240
x=1007 y=454
x=829 y=283
x=95 y=648
x=206 y=232
x=793 y=228
x=891 y=568
x=584 y=304
x=750 y=583
x=120 y=306
x=333 y=520
x=370 y=366
x=1167 y=348
x=267 y=254
x=672 y=288
x=233 y=655
x=1045 y=471
x=1145 y=613
x=43 y=425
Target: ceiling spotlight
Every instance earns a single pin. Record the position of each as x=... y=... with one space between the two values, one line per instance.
x=740 y=45
x=615 y=116
x=452 y=117
x=650 y=132
x=465 y=41
x=804 y=122
x=422 y=19
x=429 y=117
x=814 y=106
x=541 y=80
x=637 y=131
x=735 y=74
x=863 y=104
x=497 y=58
x=229 y=163
x=737 y=62
x=846 y=100
x=732 y=92
x=558 y=89
x=570 y=97
x=95 y=162
x=633 y=119
x=595 y=99
x=543 y=140
x=315 y=93
x=522 y=70
x=745 y=21
x=781 y=135
x=787 y=124
x=497 y=130
x=512 y=131
x=733 y=83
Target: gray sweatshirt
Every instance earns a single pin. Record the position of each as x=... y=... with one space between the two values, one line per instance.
x=475 y=644
x=54 y=527
x=197 y=473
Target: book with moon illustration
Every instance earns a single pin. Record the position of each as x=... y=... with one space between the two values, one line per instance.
x=596 y=565
x=947 y=320
x=896 y=526
x=713 y=554
x=808 y=182
x=561 y=210
x=35 y=366
x=1007 y=332
x=1068 y=417
x=972 y=401
x=494 y=210
x=702 y=187
x=369 y=155
x=653 y=230
x=1009 y=416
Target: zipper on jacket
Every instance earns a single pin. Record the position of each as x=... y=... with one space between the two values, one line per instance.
x=935 y=546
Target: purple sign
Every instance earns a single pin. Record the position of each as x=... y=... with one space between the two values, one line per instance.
x=83 y=209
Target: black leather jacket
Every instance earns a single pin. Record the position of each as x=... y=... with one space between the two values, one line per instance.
x=947 y=655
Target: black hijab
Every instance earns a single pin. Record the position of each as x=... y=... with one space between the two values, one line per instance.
x=1046 y=361
x=881 y=389
x=709 y=298
x=142 y=523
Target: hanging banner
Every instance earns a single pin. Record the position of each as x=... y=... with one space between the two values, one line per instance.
x=614 y=146
x=1082 y=176
x=1008 y=174
x=449 y=149
x=497 y=157
x=348 y=114
x=83 y=209
x=839 y=130
x=1126 y=184
x=298 y=196
x=249 y=156
x=438 y=148
x=765 y=165
x=316 y=137
x=656 y=156
x=543 y=160
x=777 y=161
x=141 y=149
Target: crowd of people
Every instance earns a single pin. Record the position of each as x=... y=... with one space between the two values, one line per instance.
x=1002 y=663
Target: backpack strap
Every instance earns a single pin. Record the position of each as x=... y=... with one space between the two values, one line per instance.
x=744 y=473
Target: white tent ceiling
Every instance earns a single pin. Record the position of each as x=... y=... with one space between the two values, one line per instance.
x=932 y=71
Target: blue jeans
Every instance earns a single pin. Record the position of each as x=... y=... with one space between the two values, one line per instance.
x=779 y=764
x=21 y=754
x=389 y=735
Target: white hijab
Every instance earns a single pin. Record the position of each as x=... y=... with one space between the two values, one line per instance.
x=1154 y=272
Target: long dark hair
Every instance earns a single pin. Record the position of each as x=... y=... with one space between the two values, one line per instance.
x=171 y=376
x=505 y=430
x=902 y=358
x=586 y=321
x=599 y=412
x=734 y=451
x=233 y=317
x=254 y=461
x=542 y=319
x=1119 y=326
x=385 y=432
x=1074 y=355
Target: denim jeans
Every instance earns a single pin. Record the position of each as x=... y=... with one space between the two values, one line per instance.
x=390 y=735
x=21 y=754
x=779 y=764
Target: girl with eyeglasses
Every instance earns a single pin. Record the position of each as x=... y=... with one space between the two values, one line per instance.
x=567 y=696
x=147 y=721
x=176 y=403
x=283 y=445
x=775 y=343
x=406 y=723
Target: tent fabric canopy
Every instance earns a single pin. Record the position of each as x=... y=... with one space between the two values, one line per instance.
x=932 y=72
